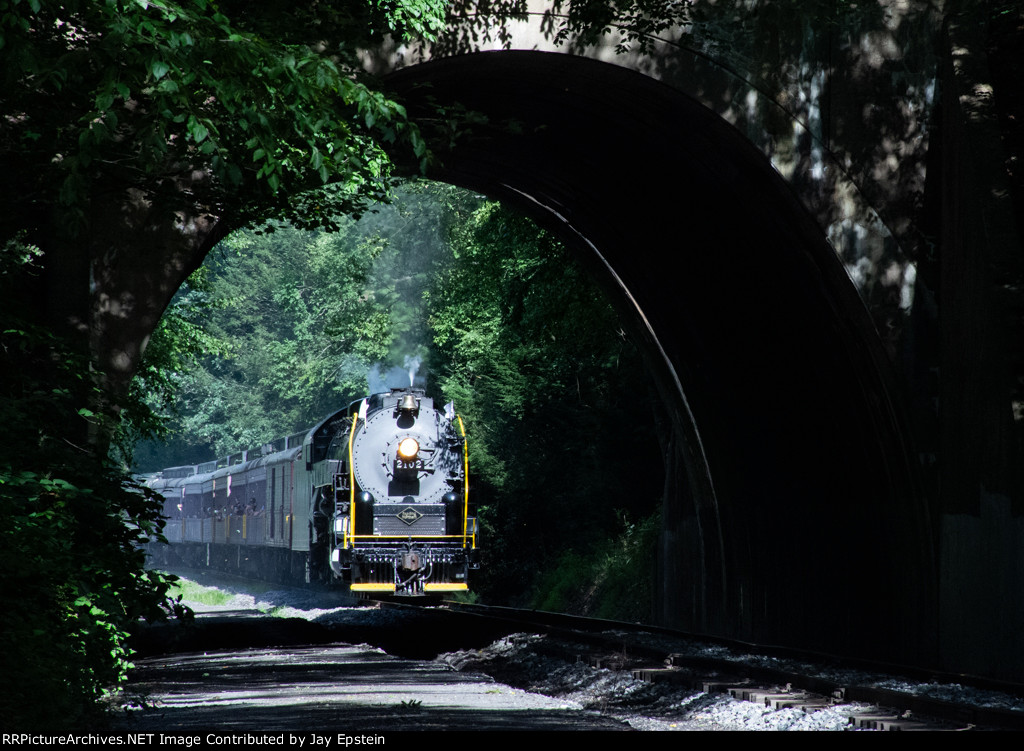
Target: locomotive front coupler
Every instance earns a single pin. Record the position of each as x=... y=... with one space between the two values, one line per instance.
x=412 y=560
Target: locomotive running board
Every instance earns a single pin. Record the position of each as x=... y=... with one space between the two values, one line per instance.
x=444 y=587
x=373 y=587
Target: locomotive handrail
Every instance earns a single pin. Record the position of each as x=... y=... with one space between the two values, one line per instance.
x=428 y=553
x=350 y=532
x=465 y=481
x=405 y=537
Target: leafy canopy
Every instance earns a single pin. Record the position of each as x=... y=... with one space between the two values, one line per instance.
x=557 y=398
x=185 y=108
x=196 y=109
x=277 y=330
x=74 y=581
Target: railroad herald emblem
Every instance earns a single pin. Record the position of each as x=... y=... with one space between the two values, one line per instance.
x=409 y=515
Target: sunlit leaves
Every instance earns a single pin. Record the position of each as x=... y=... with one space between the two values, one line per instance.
x=534 y=357
x=303 y=316
x=638 y=21
x=413 y=18
x=290 y=311
x=69 y=531
x=73 y=586
x=129 y=94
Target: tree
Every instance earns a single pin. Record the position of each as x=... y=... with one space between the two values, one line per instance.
x=137 y=133
x=294 y=322
x=560 y=408
x=70 y=530
x=557 y=403
x=297 y=326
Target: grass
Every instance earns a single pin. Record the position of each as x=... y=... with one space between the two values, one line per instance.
x=612 y=581
x=192 y=592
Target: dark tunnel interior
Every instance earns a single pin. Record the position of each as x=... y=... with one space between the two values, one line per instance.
x=797 y=516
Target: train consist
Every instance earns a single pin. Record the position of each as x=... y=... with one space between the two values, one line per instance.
x=375 y=496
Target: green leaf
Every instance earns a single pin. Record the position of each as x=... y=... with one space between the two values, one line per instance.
x=197 y=130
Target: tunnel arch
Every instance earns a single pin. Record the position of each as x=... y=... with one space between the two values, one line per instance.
x=795 y=515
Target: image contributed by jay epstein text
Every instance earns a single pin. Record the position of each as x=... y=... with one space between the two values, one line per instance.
x=294 y=740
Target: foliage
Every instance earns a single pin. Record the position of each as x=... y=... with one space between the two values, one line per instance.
x=191 y=591
x=176 y=347
x=296 y=328
x=614 y=581
x=554 y=393
x=121 y=116
x=626 y=575
x=586 y=21
x=193 y=108
x=293 y=321
x=69 y=528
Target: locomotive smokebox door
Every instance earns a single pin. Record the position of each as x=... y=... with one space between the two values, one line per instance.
x=406 y=450
x=411 y=561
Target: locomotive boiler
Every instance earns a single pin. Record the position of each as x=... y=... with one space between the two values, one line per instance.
x=375 y=496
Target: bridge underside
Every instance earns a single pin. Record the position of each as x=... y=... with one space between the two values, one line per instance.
x=794 y=516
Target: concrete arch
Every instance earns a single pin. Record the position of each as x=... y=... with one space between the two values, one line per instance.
x=795 y=517
x=841 y=171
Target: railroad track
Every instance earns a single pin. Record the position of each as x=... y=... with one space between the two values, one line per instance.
x=779 y=678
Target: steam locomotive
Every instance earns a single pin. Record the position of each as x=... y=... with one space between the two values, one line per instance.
x=375 y=496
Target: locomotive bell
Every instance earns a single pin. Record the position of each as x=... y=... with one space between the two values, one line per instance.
x=408 y=404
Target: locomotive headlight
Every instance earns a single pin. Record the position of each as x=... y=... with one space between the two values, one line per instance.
x=408 y=448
